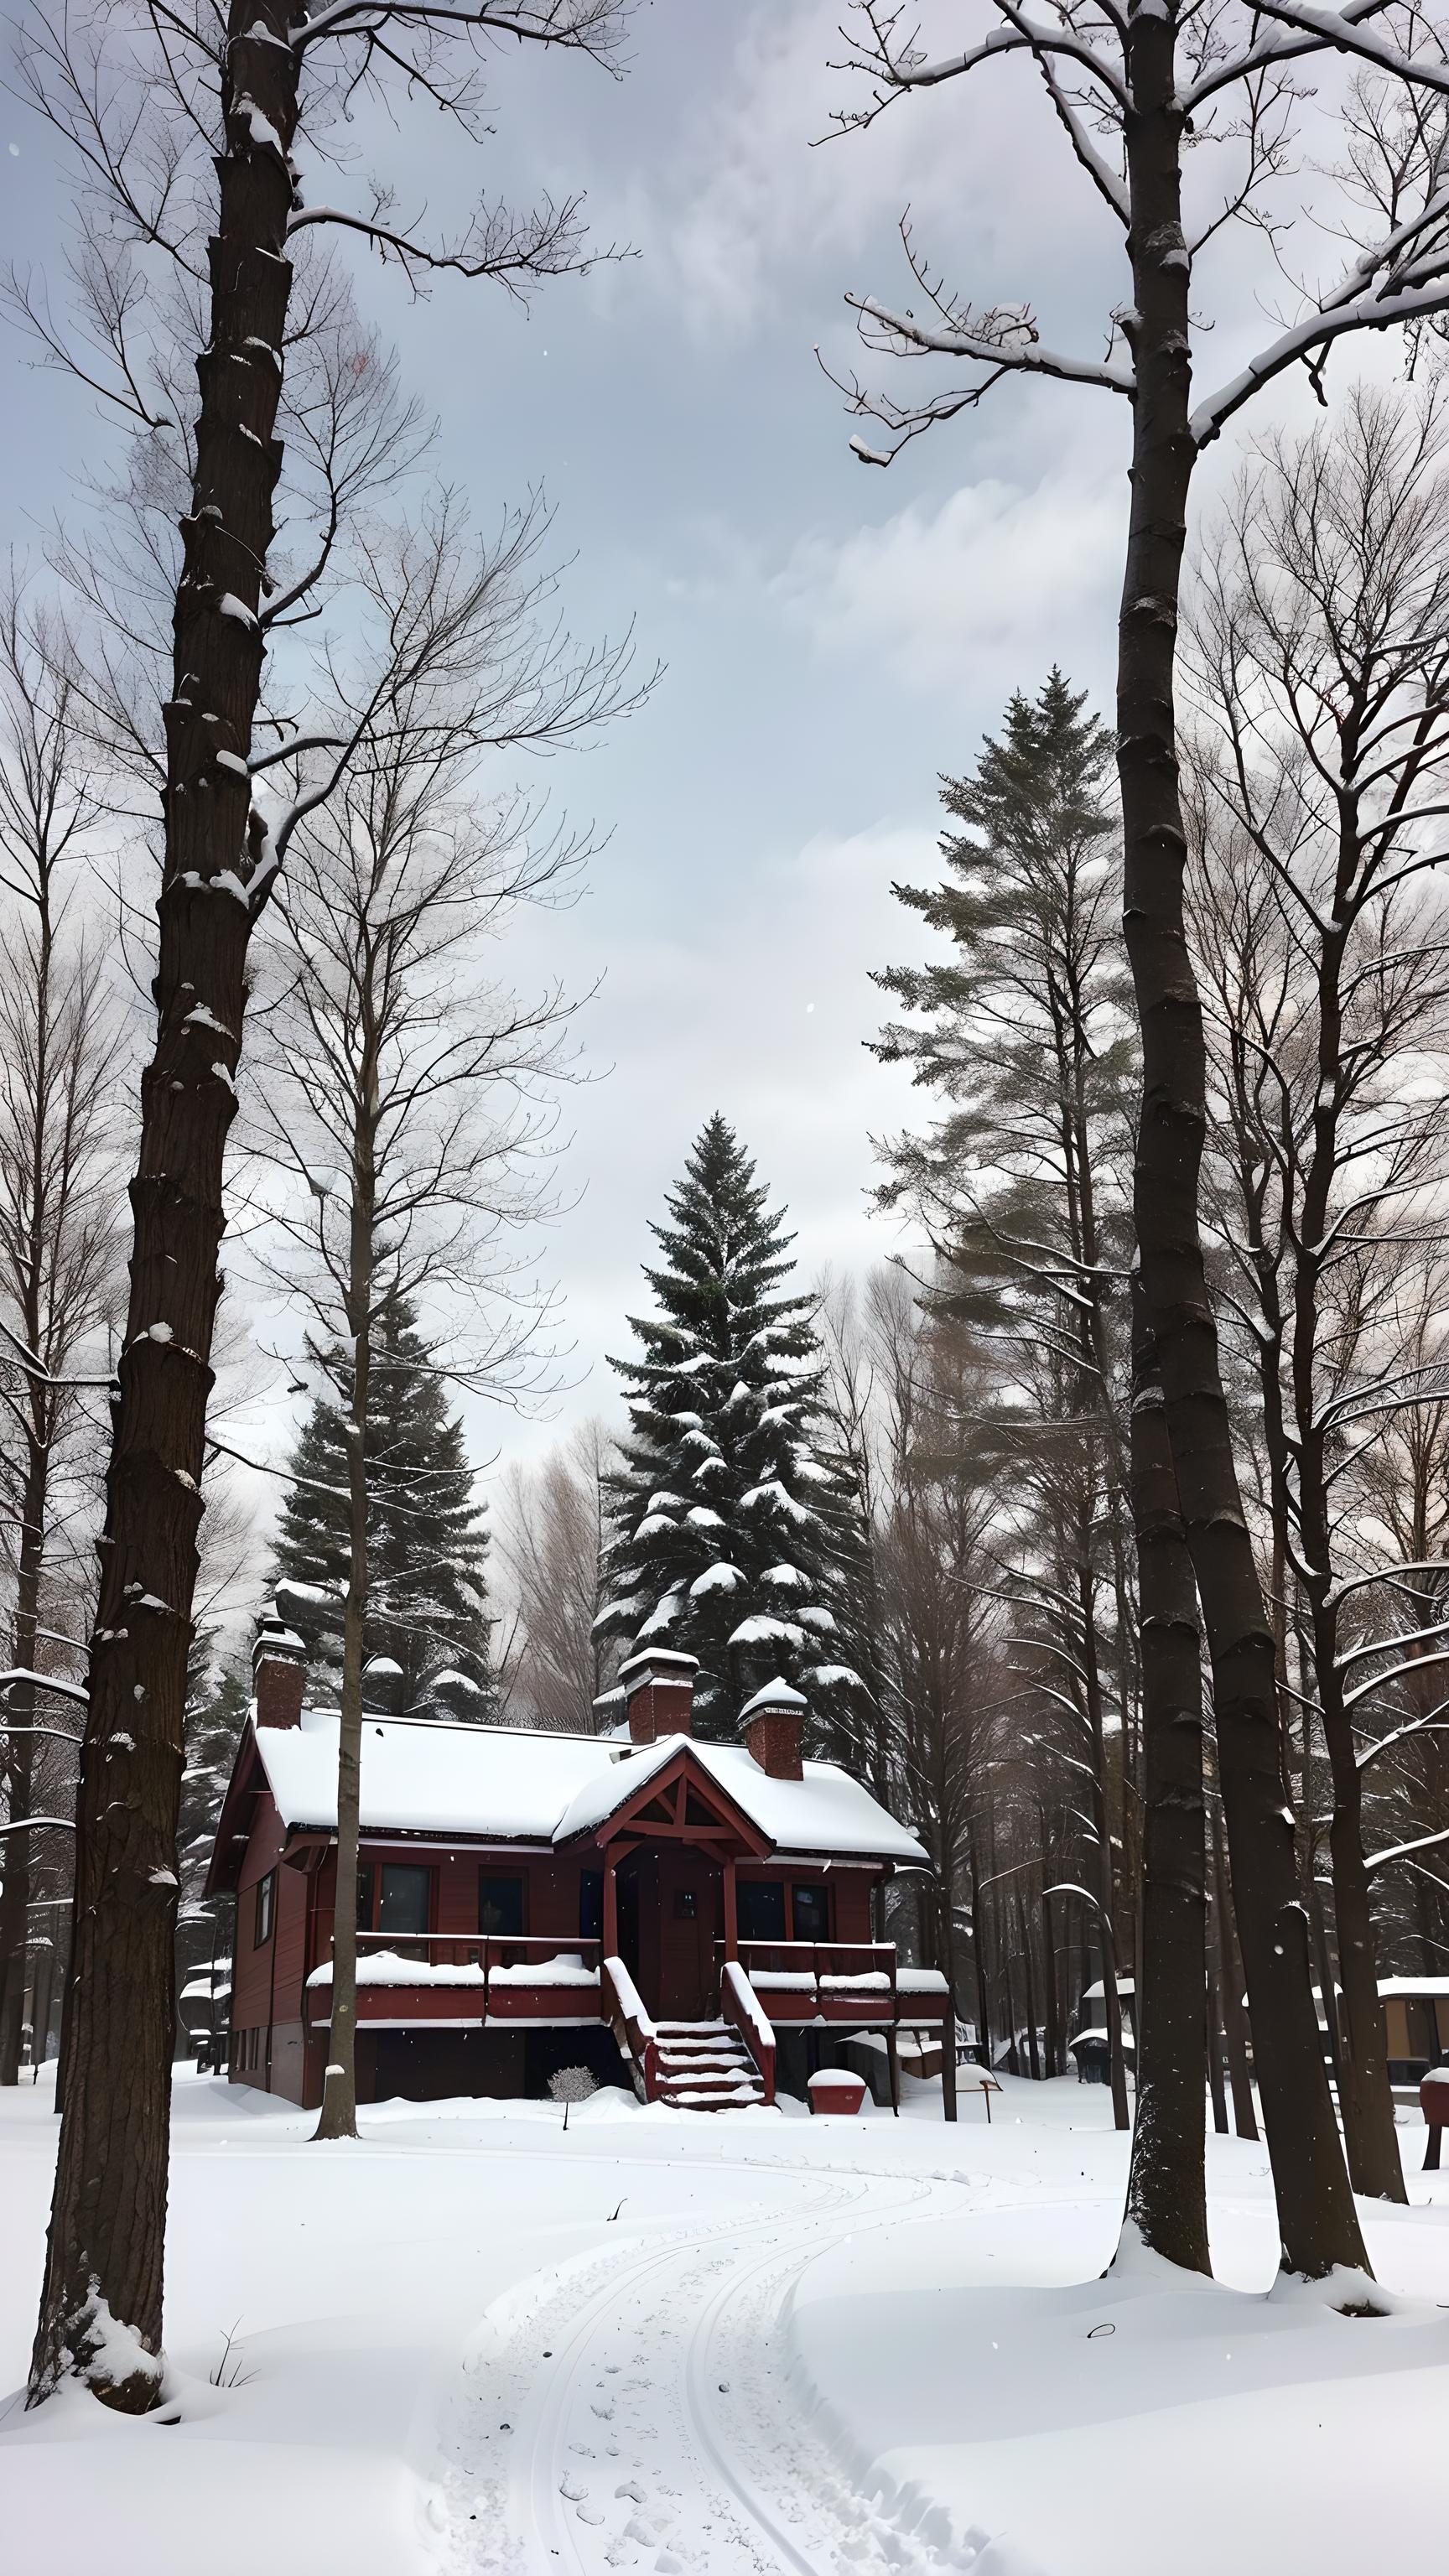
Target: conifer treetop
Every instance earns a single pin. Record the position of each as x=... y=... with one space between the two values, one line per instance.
x=427 y=1632
x=727 y=1520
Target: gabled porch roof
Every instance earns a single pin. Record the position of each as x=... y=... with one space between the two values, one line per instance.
x=665 y=1792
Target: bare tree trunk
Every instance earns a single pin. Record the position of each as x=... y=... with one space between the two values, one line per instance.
x=978 y=1946
x=1326 y=1980
x=1106 y=1889
x=108 y=2216
x=1055 y=2046
x=1024 y=1934
x=338 y=2116
x=19 y=1713
x=1363 y=2071
x=1215 y=2047
x=1235 y=2026
x=1166 y=2188
x=1317 y=2221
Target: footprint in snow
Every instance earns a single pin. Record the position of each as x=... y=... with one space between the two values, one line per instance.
x=571 y=2489
x=633 y=2490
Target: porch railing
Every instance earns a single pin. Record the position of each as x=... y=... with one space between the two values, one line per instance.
x=489 y=1970
x=624 y=2010
x=839 y=1981
x=741 y=2006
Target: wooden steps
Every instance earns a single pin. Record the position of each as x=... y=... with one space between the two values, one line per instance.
x=705 y=2066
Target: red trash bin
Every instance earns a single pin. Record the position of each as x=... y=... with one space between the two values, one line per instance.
x=1434 y=2103
x=835 y=2089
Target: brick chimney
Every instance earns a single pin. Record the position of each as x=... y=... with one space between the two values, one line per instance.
x=772 y=1724
x=659 y=1694
x=279 y=1671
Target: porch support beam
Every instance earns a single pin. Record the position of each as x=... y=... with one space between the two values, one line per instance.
x=731 y=1910
x=611 y=1905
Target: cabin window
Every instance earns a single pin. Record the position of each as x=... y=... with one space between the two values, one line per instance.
x=266 y=1899
x=405 y=1898
x=760 y=1909
x=591 y=1905
x=812 y=1913
x=364 y=1896
x=500 y=1904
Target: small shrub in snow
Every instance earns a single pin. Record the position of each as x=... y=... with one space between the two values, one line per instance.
x=572 y=2084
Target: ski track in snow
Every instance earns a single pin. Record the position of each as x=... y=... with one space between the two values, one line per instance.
x=632 y=2411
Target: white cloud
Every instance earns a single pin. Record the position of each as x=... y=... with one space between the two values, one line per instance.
x=758 y=1007
x=759 y=184
x=975 y=592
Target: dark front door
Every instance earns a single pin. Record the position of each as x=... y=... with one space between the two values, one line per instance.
x=691 y=1921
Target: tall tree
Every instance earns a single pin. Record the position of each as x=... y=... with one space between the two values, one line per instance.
x=57 y=1234
x=727 y=1522
x=425 y=1639
x=406 y=1096
x=167 y=114
x=1128 y=89
x=1024 y=1035
x=1317 y=661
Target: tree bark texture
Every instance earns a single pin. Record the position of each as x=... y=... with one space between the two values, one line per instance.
x=101 y=2305
x=338 y=2116
x=40 y=1424
x=1106 y=1876
x=1166 y=2184
x=1236 y=2033
x=1317 y=2221
x=20 y=1710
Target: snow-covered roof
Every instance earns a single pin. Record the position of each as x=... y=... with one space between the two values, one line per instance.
x=826 y=1811
x=427 y=1776
x=515 y=1785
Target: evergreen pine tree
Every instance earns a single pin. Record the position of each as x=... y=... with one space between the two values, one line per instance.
x=427 y=1633
x=1025 y=1034
x=729 y=1527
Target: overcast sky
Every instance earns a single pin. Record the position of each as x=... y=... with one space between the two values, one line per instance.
x=833 y=636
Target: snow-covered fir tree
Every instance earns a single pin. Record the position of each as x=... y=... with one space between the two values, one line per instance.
x=426 y=1640
x=729 y=1524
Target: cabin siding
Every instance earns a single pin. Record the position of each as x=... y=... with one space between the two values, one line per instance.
x=254 y=1963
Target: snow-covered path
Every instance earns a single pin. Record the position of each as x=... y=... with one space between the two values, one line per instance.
x=631 y=2410
x=481 y=2343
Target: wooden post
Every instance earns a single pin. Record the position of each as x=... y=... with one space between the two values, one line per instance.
x=731 y=1910
x=611 y=1907
x=948 y=2062
x=894 y=2056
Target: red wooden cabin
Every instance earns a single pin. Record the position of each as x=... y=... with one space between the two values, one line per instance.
x=675 y=1914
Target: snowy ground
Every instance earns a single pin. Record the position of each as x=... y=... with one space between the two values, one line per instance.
x=755 y=2342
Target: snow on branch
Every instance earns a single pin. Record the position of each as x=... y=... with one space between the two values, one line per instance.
x=35 y=1367
x=1380 y=1681
x=900 y=69
x=1322 y=31
x=1412 y=262
x=21 y=1673
x=1401 y=1851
